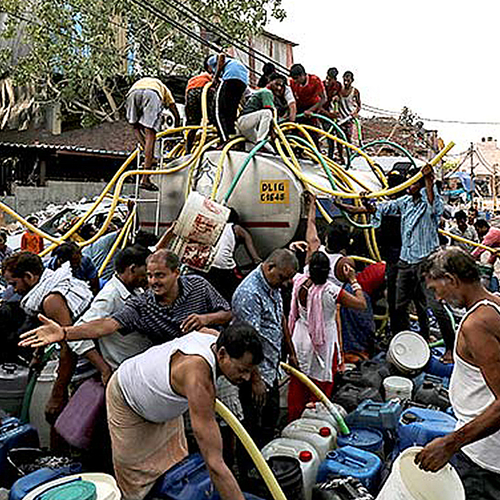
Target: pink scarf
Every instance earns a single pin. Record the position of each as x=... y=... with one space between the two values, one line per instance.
x=315 y=320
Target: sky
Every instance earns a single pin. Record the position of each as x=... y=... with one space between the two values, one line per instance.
x=437 y=57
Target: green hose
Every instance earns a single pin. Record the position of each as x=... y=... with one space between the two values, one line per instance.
x=319 y=156
x=438 y=343
x=393 y=145
x=242 y=169
x=28 y=393
x=340 y=132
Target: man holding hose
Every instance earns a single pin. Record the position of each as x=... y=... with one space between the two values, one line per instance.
x=420 y=210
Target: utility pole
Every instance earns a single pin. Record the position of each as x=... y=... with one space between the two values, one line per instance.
x=472 y=186
x=495 y=188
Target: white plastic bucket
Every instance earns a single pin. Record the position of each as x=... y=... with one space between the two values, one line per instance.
x=304 y=452
x=201 y=220
x=408 y=482
x=397 y=388
x=320 y=433
x=408 y=352
x=43 y=390
x=198 y=229
x=106 y=487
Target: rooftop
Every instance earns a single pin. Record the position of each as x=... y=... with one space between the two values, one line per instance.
x=113 y=138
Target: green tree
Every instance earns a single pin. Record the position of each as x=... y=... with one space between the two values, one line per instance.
x=83 y=54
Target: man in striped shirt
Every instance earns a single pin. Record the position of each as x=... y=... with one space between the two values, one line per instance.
x=173 y=306
x=420 y=211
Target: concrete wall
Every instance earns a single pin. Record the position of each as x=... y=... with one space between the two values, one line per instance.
x=29 y=199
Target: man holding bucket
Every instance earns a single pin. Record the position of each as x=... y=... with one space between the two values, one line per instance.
x=474 y=447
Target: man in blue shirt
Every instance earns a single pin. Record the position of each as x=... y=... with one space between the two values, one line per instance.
x=231 y=80
x=420 y=211
x=258 y=301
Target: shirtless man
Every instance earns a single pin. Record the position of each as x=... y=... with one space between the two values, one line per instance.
x=148 y=394
x=453 y=276
x=349 y=106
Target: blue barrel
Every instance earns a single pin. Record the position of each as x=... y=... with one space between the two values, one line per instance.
x=13 y=434
x=376 y=415
x=349 y=461
x=189 y=479
x=435 y=366
x=370 y=440
x=419 y=426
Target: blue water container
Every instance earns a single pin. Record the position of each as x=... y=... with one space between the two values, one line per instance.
x=376 y=415
x=41 y=476
x=370 y=440
x=449 y=411
x=349 y=461
x=188 y=479
x=435 y=366
x=14 y=434
x=419 y=426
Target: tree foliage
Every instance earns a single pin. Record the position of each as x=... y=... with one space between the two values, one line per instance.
x=83 y=54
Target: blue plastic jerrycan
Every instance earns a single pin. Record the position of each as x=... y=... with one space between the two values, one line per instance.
x=349 y=461
x=419 y=426
x=376 y=415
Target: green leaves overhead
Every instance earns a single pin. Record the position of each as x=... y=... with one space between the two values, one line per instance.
x=85 y=53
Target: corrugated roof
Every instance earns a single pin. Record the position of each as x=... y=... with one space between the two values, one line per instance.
x=116 y=138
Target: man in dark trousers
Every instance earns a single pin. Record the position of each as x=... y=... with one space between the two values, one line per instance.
x=420 y=211
x=231 y=80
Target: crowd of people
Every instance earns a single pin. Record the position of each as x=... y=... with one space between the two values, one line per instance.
x=162 y=337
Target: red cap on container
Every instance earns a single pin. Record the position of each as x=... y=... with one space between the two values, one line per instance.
x=305 y=456
x=325 y=432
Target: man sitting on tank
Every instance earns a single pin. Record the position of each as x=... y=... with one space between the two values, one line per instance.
x=452 y=275
x=255 y=121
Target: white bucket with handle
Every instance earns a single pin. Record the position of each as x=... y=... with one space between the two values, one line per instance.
x=201 y=220
x=198 y=229
x=408 y=482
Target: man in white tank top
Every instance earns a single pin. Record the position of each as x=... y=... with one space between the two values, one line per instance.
x=148 y=394
x=453 y=276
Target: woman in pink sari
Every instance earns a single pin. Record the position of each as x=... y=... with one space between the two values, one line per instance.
x=313 y=323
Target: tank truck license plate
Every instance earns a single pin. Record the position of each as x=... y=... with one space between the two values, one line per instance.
x=275 y=191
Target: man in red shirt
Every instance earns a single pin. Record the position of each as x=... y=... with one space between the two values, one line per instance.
x=30 y=241
x=330 y=109
x=193 y=109
x=332 y=89
x=308 y=90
